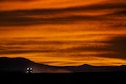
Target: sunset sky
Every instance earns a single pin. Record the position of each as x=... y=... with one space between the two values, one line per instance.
x=64 y=32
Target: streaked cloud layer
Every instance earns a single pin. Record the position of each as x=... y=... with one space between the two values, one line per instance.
x=59 y=16
x=38 y=4
x=64 y=32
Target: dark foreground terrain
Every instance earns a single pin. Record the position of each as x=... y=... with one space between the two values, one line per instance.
x=13 y=71
x=59 y=78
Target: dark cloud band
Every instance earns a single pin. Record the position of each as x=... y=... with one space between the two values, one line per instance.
x=27 y=17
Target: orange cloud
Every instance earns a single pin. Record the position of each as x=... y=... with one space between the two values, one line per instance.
x=66 y=32
x=45 y=4
x=15 y=0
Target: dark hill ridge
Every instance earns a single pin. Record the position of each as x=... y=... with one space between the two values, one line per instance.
x=14 y=64
x=20 y=65
x=89 y=68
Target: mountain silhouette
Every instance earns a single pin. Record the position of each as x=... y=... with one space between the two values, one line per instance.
x=89 y=68
x=14 y=64
x=21 y=64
